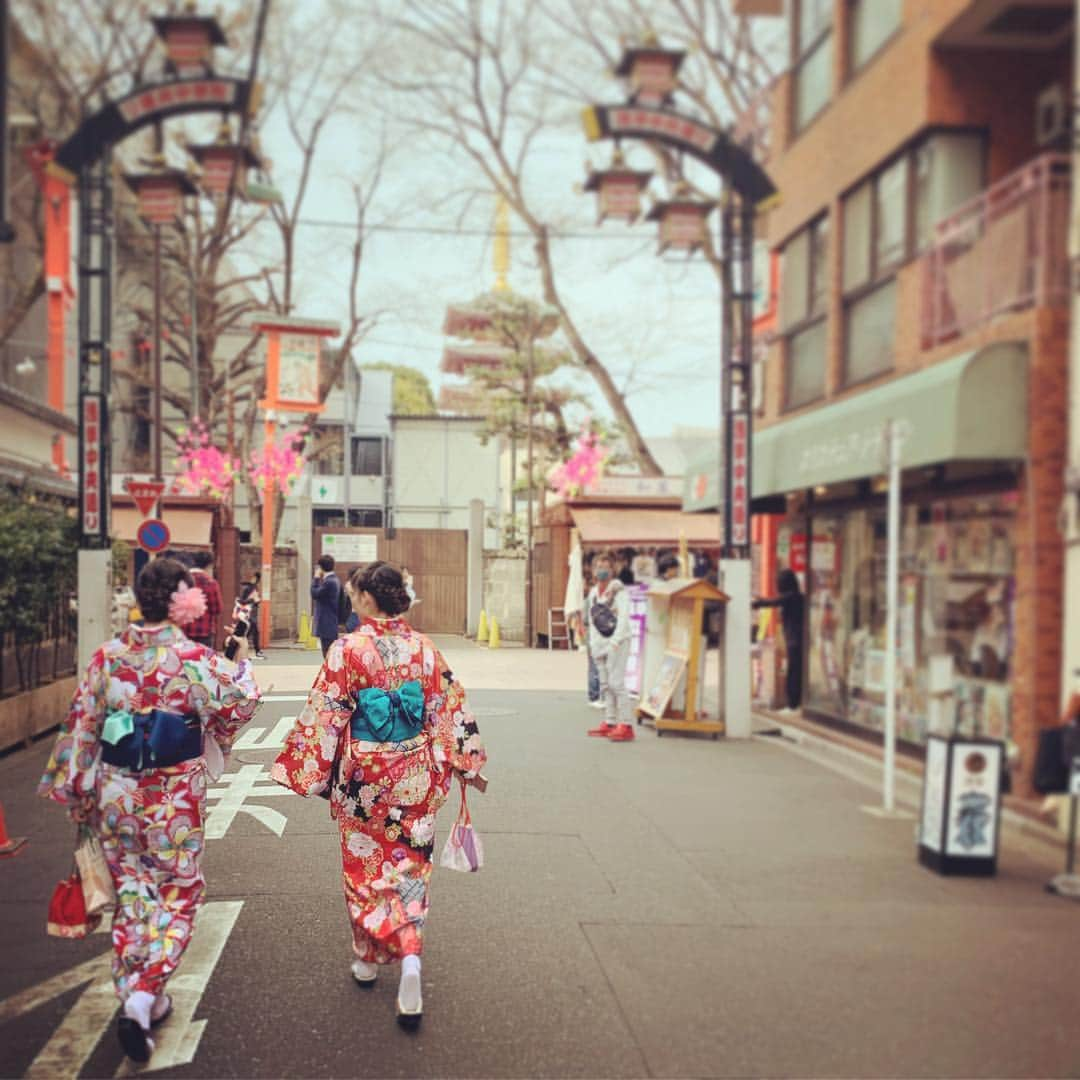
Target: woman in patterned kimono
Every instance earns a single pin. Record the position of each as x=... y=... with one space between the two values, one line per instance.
x=129 y=762
x=387 y=706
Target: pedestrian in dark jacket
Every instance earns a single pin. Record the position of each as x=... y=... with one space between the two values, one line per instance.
x=792 y=605
x=326 y=592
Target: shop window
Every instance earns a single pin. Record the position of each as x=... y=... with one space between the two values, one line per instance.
x=367 y=457
x=872 y=23
x=812 y=59
x=329 y=456
x=890 y=215
x=948 y=170
x=806 y=366
x=871 y=326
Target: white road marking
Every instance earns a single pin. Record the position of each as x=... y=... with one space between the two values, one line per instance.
x=265 y=738
x=232 y=791
x=177 y=1041
x=284 y=697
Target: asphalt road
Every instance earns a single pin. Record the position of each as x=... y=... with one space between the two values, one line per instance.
x=670 y=907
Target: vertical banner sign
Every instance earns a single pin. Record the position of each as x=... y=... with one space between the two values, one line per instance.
x=93 y=499
x=739 y=505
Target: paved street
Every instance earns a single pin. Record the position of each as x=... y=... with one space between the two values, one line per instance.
x=673 y=907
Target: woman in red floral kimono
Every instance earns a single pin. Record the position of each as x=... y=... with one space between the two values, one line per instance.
x=386 y=704
x=131 y=761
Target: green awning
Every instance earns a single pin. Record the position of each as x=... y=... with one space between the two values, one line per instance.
x=970 y=408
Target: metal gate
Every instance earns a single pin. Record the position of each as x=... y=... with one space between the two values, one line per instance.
x=438 y=562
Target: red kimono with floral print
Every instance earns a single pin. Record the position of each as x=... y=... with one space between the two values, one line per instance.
x=384 y=795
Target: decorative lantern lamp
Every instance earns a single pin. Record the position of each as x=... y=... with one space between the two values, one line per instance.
x=160 y=194
x=682 y=223
x=220 y=160
x=618 y=190
x=651 y=71
x=189 y=40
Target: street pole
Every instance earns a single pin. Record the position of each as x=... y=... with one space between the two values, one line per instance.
x=1070 y=651
x=7 y=232
x=529 y=504
x=269 y=434
x=157 y=359
x=196 y=407
x=347 y=431
x=892 y=592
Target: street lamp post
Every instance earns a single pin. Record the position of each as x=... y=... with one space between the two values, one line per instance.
x=84 y=159
x=7 y=232
x=648 y=116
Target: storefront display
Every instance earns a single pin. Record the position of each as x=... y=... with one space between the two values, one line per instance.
x=955 y=605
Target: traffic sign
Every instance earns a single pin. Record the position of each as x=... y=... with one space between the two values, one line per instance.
x=153 y=535
x=145 y=493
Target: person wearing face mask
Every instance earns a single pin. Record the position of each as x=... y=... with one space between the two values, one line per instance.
x=608 y=605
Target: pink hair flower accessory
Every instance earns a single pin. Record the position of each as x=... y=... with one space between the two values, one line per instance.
x=186 y=604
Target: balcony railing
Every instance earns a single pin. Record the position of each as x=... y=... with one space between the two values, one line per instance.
x=1001 y=252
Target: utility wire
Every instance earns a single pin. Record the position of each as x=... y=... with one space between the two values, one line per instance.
x=443 y=230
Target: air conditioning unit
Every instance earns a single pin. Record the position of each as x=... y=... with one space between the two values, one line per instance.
x=1052 y=118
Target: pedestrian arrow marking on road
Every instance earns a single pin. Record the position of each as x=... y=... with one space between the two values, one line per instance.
x=231 y=793
x=265 y=738
x=177 y=1041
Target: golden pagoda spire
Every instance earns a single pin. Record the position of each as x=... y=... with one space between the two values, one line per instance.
x=500 y=255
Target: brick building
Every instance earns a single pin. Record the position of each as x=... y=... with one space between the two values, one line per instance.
x=920 y=150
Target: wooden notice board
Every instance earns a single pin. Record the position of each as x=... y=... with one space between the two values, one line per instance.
x=683 y=657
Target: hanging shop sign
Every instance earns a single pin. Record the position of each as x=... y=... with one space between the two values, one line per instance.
x=92 y=495
x=739 y=504
x=293 y=362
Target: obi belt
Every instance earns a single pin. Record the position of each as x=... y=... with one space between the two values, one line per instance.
x=153 y=739
x=389 y=716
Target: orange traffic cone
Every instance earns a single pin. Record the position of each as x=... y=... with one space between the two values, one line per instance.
x=8 y=846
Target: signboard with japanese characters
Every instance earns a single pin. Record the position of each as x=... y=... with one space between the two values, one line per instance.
x=351 y=547
x=298 y=369
x=93 y=498
x=974 y=783
x=961 y=805
x=739 y=501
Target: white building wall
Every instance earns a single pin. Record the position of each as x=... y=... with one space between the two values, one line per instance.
x=439 y=465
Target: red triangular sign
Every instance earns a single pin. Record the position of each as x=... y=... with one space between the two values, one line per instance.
x=145 y=493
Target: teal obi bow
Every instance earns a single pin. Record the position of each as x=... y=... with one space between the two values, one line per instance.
x=389 y=715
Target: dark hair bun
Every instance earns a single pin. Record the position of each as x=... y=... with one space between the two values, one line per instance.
x=384 y=584
x=156 y=583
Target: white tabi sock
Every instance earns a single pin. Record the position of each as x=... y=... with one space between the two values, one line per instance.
x=138 y=1006
x=410 y=964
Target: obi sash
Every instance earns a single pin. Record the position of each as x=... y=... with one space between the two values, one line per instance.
x=388 y=716
x=153 y=739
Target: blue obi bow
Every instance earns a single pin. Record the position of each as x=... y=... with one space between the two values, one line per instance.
x=389 y=715
x=152 y=739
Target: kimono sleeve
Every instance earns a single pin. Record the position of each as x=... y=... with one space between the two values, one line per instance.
x=306 y=763
x=234 y=696
x=455 y=734
x=71 y=773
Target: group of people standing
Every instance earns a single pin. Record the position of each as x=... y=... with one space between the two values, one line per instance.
x=383 y=735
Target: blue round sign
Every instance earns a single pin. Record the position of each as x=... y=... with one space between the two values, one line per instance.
x=153 y=535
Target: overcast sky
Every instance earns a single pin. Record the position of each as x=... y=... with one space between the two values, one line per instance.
x=653 y=321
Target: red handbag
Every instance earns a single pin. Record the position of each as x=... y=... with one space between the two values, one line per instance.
x=67 y=911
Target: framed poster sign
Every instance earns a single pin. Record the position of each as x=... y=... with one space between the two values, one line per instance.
x=298 y=369
x=655 y=702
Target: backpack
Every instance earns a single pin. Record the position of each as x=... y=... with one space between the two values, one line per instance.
x=603 y=617
x=344 y=605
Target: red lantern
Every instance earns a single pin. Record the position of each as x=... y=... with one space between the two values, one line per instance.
x=682 y=223
x=189 y=40
x=160 y=195
x=651 y=71
x=618 y=190
x=219 y=162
